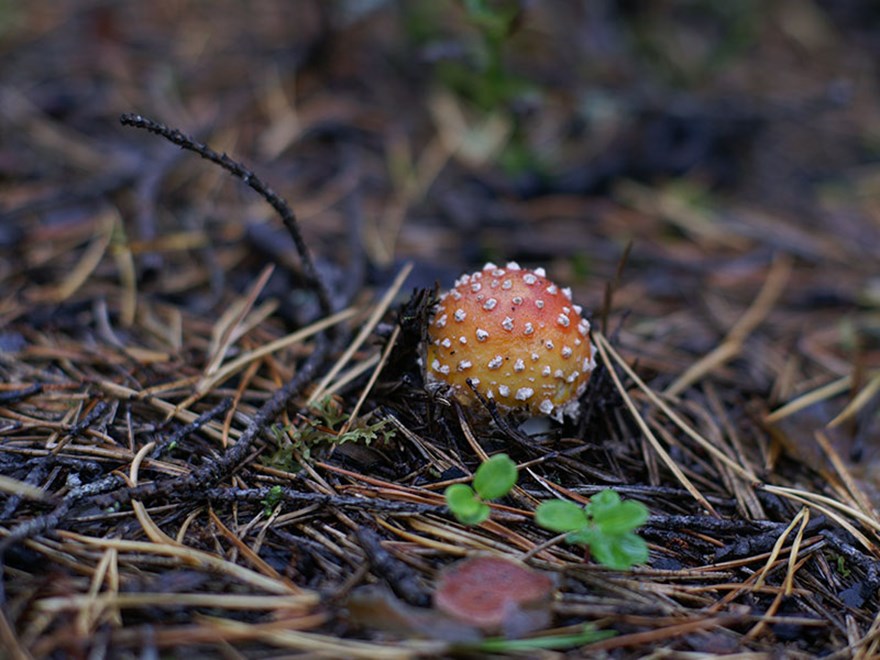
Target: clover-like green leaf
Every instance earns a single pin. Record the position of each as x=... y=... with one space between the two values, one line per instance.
x=582 y=536
x=619 y=551
x=495 y=477
x=634 y=547
x=625 y=517
x=606 y=525
x=602 y=503
x=560 y=516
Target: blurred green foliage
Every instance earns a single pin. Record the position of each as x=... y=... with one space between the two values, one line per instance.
x=478 y=39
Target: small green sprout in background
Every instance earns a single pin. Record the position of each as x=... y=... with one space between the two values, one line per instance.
x=484 y=77
x=493 y=479
x=607 y=525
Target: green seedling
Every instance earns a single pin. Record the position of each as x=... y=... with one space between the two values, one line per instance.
x=272 y=499
x=607 y=525
x=841 y=566
x=493 y=479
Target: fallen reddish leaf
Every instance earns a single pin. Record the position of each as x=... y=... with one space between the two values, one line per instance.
x=496 y=594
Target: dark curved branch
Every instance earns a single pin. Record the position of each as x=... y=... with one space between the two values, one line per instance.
x=237 y=169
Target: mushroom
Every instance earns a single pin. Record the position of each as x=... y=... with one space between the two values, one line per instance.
x=517 y=336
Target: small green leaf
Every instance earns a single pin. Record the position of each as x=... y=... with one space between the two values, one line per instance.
x=272 y=499
x=560 y=516
x=601 y=503
x=582 y=536
x=464 y=505
x=474 y=517
x=620 y=551
x=461 y=498
x=625 y=517
x=495 y=477
x=635 y=547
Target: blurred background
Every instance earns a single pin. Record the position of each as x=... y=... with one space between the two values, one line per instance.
x=713 y=136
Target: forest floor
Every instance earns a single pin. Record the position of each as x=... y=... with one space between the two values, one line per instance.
x=208 y=448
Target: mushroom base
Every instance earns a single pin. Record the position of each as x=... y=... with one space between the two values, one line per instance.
x=465 y=396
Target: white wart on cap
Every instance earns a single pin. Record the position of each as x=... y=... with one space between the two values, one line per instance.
x=516 y=335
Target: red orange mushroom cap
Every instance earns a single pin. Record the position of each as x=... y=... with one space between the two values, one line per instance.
x=516 y=335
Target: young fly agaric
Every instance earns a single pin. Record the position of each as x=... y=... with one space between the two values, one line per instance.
x=518 y=338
